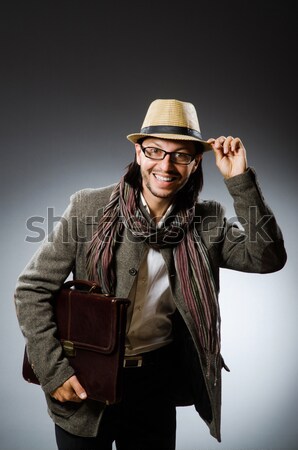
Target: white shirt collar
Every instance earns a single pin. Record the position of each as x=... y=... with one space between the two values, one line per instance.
x=161 y=221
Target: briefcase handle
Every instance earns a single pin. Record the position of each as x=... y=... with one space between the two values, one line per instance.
x=91 y=286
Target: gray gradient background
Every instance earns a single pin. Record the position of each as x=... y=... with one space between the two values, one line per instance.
x=76 y=77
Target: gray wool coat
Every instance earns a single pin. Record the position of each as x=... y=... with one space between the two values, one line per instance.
x=257 y=247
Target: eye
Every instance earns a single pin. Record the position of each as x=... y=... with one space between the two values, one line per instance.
x=182 y=157
x=153 y=150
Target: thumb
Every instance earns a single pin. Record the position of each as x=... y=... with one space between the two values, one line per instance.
x=77 y=387
x=217 y=150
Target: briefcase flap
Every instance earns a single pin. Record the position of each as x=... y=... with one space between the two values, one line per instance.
x=88 y=321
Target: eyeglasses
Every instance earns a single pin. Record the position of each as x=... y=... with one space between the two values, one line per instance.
x=175 y=157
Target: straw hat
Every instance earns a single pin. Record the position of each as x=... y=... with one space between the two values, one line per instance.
x=171 y=119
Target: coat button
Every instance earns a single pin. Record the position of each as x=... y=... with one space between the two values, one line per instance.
x=132 y=271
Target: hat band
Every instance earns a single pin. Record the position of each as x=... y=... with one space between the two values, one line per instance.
x=168 y=129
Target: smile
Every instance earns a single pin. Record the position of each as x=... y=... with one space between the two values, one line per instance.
x=163 y=178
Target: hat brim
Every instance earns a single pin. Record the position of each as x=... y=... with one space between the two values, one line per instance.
x=134 y=138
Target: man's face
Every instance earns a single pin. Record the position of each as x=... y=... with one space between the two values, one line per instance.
x=162 y=179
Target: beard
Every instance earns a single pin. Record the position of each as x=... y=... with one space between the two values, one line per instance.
x=159 y=194
x=162 y=192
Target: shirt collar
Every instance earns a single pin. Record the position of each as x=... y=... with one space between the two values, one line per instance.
x=162 y=220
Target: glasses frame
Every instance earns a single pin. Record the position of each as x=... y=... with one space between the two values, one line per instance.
x=167 y=153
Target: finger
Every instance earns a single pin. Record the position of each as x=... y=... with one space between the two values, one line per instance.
x=71 y=390
x=78 y=388
x=227 y=144
x=218 y=144
x=218 y=152
x=236 y=144
x=63 y=394
x=211 y=142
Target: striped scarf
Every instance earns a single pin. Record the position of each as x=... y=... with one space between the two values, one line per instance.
x=190 y=258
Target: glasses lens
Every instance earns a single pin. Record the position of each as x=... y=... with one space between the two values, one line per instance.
x=181 y=158
x=177 y=158
x=154 y=153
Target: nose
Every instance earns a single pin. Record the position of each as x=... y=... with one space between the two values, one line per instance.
x=166 y=163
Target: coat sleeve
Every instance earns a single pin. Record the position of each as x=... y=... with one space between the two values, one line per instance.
x=39 y=281
x=256 y=245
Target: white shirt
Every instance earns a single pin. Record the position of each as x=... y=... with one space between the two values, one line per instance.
x=149 y=315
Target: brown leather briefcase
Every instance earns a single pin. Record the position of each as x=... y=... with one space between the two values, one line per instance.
x=91 y=328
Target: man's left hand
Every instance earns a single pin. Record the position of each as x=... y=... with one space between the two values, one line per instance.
x=230 y=155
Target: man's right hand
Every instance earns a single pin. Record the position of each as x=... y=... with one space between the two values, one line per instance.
x=70 y=391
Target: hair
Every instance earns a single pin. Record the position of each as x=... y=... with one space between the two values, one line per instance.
x=187 y=196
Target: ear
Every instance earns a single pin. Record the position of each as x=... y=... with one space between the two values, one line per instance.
x=197 y=161
x=138 y=153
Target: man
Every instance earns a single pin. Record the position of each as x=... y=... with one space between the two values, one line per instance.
x=152 y=240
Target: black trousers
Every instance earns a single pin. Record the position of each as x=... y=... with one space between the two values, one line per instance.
x=144 y=420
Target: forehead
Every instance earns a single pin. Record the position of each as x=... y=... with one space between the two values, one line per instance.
x=169 y=145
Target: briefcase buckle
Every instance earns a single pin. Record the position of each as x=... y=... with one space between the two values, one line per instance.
x=133 y=361
x=69 y=349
